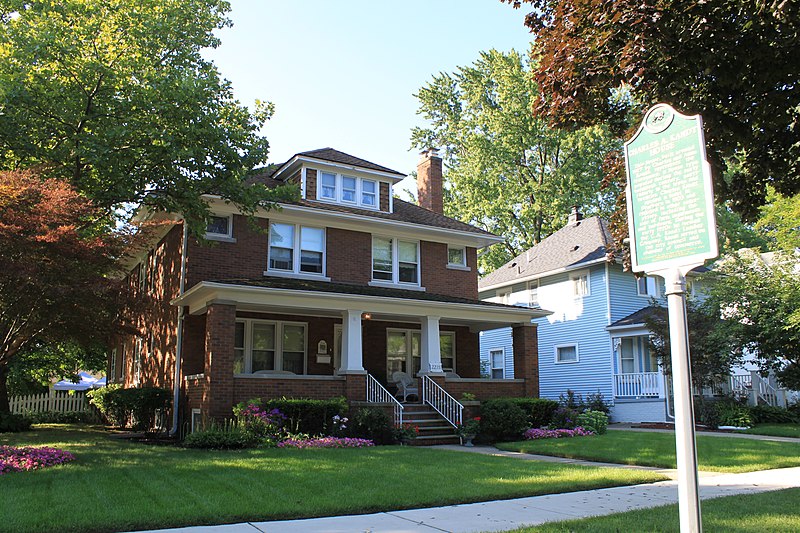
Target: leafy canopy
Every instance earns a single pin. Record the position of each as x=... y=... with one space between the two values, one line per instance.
x=735 y=62
x=53 y=283
x=115 y=97
x=506 y=170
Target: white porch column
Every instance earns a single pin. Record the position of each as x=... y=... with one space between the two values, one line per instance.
x=430 y=350
x=352 y=354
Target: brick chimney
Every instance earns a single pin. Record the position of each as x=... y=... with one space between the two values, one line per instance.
x=575 y=216
x=429 y=181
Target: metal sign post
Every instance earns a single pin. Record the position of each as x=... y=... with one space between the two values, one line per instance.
x=673 y=229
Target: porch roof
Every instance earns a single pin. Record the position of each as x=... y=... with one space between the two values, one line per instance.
x=320 y=298
x=635 y=320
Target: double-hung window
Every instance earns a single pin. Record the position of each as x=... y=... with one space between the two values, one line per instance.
x=395 y=261
x=497 y=363
x=262 y=346
x=533 y=293
x=647 y=286
x=580 y=284
x=297 y=249
x=345 y=189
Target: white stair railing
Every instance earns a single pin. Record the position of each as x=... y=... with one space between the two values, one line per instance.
x=377 y=393
x=768 y=393
x=444 y=404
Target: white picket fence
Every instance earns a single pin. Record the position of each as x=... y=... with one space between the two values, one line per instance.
x=53 y=401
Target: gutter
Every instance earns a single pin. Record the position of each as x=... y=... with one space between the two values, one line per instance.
x=179 y=341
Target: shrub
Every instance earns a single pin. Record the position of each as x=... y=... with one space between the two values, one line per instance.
x=312 y=417
x=767 y=414
x=571 y=400
x=564 y=418
x=503 y=419
x=596 y=402
x=135 y=407
x=706 y=412
x=11 y=423
x=56 y=417
x=733 y=413
x=372 y=423
x=216 y=437
x=264 y=426
x=594 y=421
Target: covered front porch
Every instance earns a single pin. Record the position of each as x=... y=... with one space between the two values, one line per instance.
x=320 y=340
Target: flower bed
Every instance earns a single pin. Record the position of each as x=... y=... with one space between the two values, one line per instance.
x=543 y=433
x=325 y=442
x=19 y=459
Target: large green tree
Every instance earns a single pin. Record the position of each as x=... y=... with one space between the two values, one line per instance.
x=759 y=296
x=506 y=170
x=115 y=97
x=780 y=221
x=735 y=62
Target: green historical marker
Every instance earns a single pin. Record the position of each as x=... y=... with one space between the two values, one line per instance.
x=670 y=199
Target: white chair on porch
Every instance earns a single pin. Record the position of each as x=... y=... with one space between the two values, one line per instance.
x=405 y=385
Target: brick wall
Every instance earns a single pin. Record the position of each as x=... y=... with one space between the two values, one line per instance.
x=485 y=389
x=220 y=326
x=438 y=279
x=311 y=184
x=349 y=256
x=384 y=196
x=275 y=387
x=526 y=357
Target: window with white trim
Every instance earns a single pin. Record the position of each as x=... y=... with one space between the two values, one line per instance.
x=197 y=420
x=456 y=256
x=567 y=353
x=497 y=363
x=447 y=349
x=503 y=296
x=345 y=189
x=137 y=361
x=533 y=293
x=403 y=351
x=580 y=284
x=219 y=227
x=647 y=286
x=265 y=346
x=297 y=249
x=113 y=369
x=395 y=261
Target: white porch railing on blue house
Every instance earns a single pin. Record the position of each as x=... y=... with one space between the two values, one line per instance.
x=441 y=401
x=377 y=393
x=639 y=385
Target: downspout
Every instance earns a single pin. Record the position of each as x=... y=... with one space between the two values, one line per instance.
x=179 y=341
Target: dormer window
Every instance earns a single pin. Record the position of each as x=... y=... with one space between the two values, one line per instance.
x=345 y=189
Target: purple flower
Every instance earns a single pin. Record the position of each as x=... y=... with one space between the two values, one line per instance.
x=544 y=433
x=325 y=442
x=14 y=459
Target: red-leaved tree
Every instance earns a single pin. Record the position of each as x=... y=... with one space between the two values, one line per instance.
x=55 y=269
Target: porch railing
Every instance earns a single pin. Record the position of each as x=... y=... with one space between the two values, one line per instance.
x=638 y=385
x=377 y=393
x=444 y=404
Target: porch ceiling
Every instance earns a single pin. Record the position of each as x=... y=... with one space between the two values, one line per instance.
x=331 y=300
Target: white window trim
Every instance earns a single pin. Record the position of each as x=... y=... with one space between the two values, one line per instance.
x=646 y=278
x=222 y=237
x=296 y=273
x=339 y=190
x=458 y=266
x=409 y=354
x=192 y=419
x=555 y=354
x=574 y=279
x=531 y=285
x=138 y=357
x=503 y=296
x=248 y=343
x=113 y=369
x=491 y=367
x=395 y=281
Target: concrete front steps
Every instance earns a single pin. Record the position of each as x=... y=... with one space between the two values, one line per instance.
x=433 y=429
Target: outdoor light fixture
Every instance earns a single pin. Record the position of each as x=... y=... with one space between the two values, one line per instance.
x=366 y=316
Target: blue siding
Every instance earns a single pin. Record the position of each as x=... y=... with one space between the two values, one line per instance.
x=624 y=298
x=495 y=339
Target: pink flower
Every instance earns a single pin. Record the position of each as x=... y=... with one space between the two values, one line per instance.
x=14 y=459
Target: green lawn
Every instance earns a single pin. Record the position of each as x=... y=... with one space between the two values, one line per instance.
x=776 y=430
x=719 y=454
x=776 y=512
x=119 y=485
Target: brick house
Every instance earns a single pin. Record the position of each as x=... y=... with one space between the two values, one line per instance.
x=339 y=291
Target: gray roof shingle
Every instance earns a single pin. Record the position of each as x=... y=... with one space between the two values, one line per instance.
x=335 y=156
x=573 y=245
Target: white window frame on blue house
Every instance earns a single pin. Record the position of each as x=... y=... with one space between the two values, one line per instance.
x=647 y=287
x=502 y=368
x=557 y=354
x=581 y=284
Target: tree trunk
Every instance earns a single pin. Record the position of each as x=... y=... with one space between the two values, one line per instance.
x=4 y=405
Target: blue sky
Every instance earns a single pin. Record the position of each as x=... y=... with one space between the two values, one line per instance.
x=343 y=74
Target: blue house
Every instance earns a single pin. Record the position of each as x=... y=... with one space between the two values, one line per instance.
x=595 y=339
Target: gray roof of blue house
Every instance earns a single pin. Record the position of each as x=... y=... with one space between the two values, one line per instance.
x=575 y=244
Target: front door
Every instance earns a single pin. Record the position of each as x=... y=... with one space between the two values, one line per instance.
x=402 y=352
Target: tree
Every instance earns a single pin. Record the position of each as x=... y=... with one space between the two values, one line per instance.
x=713 y=350
x=780 y=221
x=33 y=369
x=54 y=283
x=759 y=296
x=115 y=97
x=733 y=61
x=506 y=170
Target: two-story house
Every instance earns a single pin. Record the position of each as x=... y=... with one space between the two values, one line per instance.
x=336 y=293
x=595 y=339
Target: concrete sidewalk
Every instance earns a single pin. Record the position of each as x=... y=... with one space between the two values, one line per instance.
x=504 y=515
x=629 y=427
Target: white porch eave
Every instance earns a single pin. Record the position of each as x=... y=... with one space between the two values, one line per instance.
x=317 y=303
